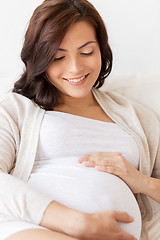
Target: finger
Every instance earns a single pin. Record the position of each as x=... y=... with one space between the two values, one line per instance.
x=86 y=157
x=106 y=158
x=88 y=164
x=122 y=217
x=108 y=169
x=100 y=156
x=102 y=159
x=127 y=236
x=93 y=158
x=125 y=218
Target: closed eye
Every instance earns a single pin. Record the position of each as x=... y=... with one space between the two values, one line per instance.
x=60 y=58
x=87 y=54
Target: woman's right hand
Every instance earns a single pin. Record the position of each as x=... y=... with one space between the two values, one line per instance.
x=104 y=225
x=86 y=226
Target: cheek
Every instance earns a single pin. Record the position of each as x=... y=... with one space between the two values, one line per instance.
x=97 y=63
x=53 y=72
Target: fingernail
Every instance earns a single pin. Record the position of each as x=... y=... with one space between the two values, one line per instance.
x=132 y=218
x=80 y=159
x=85 y=163
x=98 y=167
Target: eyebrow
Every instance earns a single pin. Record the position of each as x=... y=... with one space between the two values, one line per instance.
x=87 y=43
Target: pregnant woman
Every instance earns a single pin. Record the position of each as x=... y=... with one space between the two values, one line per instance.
x=76 y=162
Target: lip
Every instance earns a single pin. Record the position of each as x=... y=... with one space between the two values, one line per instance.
x=77 y=83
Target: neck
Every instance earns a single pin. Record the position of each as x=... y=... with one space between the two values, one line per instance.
x=76 y=103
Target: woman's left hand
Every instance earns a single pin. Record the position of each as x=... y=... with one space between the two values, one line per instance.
x=116 y=164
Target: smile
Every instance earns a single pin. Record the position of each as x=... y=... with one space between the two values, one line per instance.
x=75 y=79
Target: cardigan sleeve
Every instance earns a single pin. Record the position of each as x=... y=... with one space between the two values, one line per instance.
x=156 y=169
x=20 y=201
x=151 y=127
x=17 y=198
x=152 y=130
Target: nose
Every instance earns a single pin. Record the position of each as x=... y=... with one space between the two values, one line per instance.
x=74 y=65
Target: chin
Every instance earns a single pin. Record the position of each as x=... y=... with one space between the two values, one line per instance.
x=79 y=94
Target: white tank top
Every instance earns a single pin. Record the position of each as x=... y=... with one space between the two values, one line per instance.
x=56 y=171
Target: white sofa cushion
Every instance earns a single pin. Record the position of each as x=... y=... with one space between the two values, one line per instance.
x=144 y=89
x=6 y=85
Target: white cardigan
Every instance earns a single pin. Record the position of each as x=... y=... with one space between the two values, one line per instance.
x=20 y=122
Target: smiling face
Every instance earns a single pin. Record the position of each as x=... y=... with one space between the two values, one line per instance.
x=77 y=64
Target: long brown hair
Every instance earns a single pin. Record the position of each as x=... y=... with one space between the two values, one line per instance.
x=47 y=28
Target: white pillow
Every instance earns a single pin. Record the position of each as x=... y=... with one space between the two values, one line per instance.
x=144 y=89
x=6 y=85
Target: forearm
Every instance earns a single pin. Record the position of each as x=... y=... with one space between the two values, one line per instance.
x=86 y=226
x=152 y=188
x=62 y=219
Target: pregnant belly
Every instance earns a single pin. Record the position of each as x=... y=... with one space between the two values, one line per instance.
x=88 y=190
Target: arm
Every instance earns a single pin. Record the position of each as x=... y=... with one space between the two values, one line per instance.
x=62 y=219
x=17 y=198
x=21 y=201
x=95 y=226
x=152 y=188
x=116 y=164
